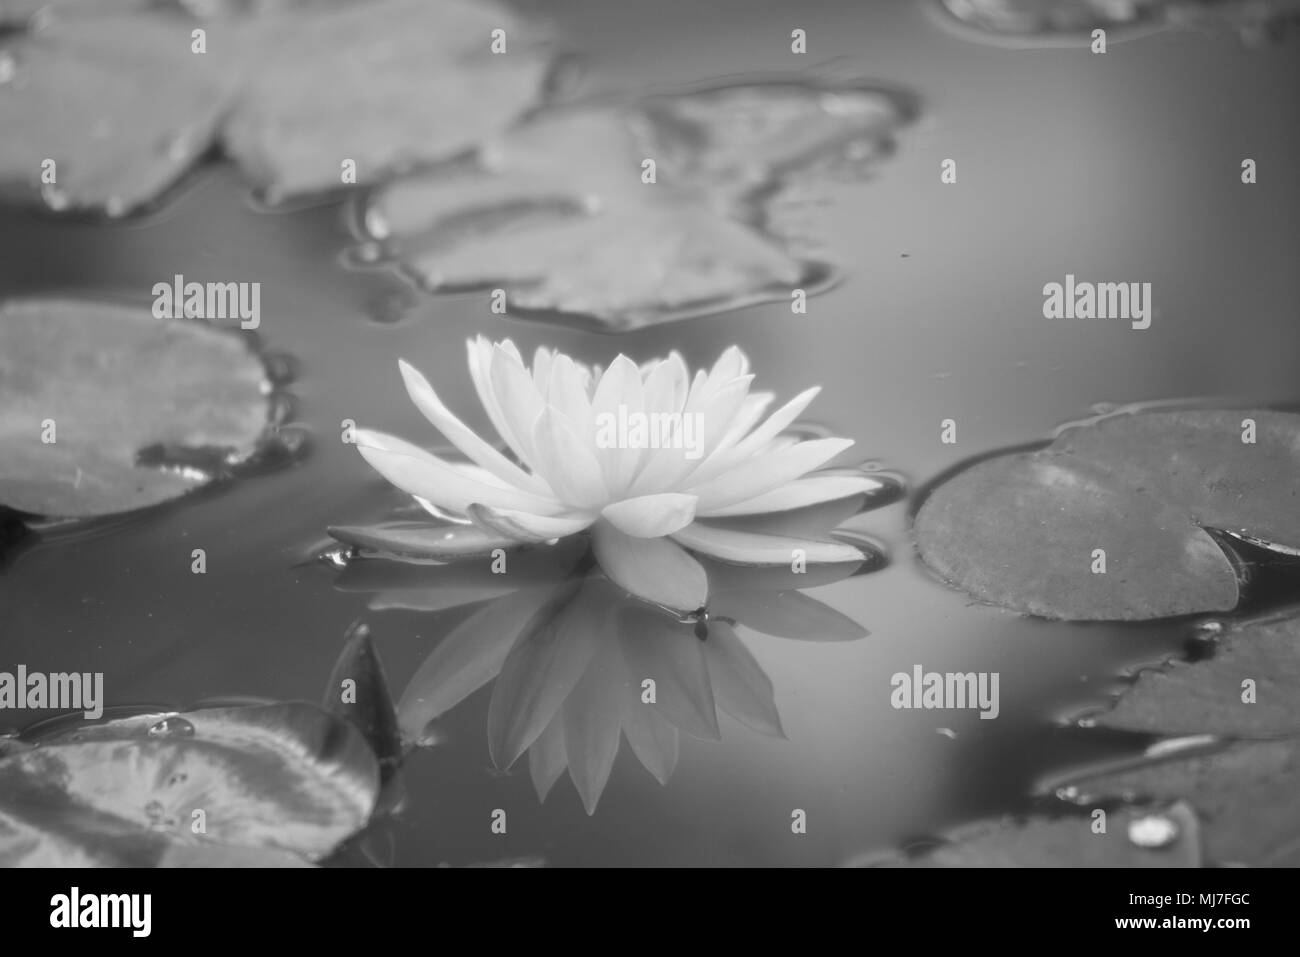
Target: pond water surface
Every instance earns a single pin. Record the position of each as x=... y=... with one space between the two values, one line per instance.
x=1121 y=167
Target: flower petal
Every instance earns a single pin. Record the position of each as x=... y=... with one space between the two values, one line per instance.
x=619 y=394
x=426 y=476
x=728 y=457
x=592 y=717
x=546 y=758
x=462 y=436
x=542 y=669
x=800 y=493
x=740 y=685
x=654 y=569
x=652 y=738
x=748 y=548
x=766 y=472
x=789 y=614
x=465 y=660
x=479 y=355
x=669 y=654
x=421 y=542
x=567 y=462
x=523 y=527
x=651 y=516
x=517 y=397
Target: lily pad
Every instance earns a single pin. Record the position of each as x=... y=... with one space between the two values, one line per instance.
x=1110 y=521
x=559 y=213
x=1068 y=841
x=1245 y=795
x=270 y=781
x=123 y=104
x=1049 y=21
x=106 y=409
x=1206 y=696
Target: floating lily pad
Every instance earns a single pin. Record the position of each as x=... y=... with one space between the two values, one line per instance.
x=123 y=105
x=1068 y=841
x=270 y=781
x=1048 y=21
x=1244 y=794
x=1205 y=697
x=558 y=213
x=1136 y=492
x=106 y=409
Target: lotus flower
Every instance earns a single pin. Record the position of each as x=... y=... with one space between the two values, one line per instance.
x=584 y=460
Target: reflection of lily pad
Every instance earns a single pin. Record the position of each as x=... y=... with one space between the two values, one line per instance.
x=121 y=394
x=1245 y=795
x=124 y=106
x=1069 y=841
x=1108 y=522
x=558 y=214
x=1206 y=696
x=270 y=781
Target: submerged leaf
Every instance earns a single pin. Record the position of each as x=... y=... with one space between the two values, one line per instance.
x=564 y=214
x=106 y=409
x=1108 y=522
x=358 y=692
x=285 y=777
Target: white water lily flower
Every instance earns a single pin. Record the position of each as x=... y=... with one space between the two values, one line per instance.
x=646 y=507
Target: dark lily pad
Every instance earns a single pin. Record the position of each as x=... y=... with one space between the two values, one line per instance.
x=1205 y=697
x=1023 y=531
x=122 y=394
x=1245 y=795
x=118 y=99
x=556 y=212
x=1068 y=841
x=270 y=781
x=358 y=692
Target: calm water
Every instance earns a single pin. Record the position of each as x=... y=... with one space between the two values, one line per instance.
x=1119 y=167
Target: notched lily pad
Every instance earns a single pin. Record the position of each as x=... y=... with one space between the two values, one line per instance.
x=559 y=213
x=1110 y=521
x=1207 y=696
x=271 y=782
x=124 y=105
x=1068 y=841
x=97 y=401
x=1244 y=794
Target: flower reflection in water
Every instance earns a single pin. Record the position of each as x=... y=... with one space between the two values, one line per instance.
x=579 y=663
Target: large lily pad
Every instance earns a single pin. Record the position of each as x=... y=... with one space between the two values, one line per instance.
x=141 y=410
x=272 y=782
x=1068 y=841
x=1137 y=491
x=1206 y=696
x=122 y=104
x=558 y=213
x=1245 y=795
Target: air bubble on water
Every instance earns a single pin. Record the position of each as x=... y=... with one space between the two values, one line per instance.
x=173 y=726
x=375 y=224
x=363 y=254
x=115 y=207
x=1209 y=628
x=1068 y=793
x=1153 y=831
